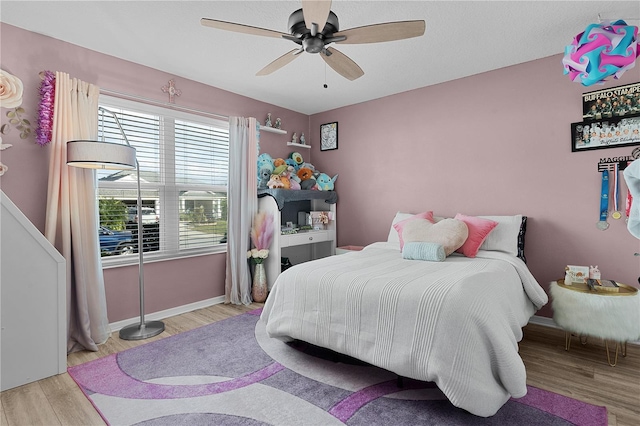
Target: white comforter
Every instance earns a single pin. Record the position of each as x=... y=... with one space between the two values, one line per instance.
x=456 y=323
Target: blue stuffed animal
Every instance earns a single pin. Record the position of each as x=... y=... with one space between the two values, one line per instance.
x=265 y=161
x=325 y=183
x=291 y=162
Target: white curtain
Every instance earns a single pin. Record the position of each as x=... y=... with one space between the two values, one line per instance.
x=242 y=206
x=72 y=217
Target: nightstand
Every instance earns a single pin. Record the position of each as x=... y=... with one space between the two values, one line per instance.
x=607 y=315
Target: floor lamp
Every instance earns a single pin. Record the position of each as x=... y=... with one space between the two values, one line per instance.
x=115 y=156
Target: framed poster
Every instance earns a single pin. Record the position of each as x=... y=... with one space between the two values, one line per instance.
x=606 y=133
x=618 y=101
x=329 y=136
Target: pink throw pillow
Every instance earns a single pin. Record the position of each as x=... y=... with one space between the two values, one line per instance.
x=478 y=231
x=400 y=225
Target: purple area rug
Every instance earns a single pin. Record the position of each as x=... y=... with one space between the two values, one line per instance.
x=218 y=374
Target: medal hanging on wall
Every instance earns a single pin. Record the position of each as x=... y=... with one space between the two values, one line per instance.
x=604 y=202
x=627 y=207
x=616 y=211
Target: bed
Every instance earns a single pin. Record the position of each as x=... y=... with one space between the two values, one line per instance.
x=455 y=322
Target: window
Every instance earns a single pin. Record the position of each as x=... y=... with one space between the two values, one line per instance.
x=183 y=160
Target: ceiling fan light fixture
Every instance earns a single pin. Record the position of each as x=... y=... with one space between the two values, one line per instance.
x=312 y=44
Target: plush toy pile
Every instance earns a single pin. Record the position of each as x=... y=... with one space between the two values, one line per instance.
x=291 y=173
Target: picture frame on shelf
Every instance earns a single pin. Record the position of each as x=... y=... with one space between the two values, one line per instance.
x=576 y=274
x=613 y=132
x=329 y=136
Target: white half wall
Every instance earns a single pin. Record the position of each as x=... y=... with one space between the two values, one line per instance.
x=33 y=319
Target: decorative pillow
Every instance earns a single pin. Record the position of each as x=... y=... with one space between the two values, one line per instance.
x=393 y=234
x=424 y=251
x=506 y=236
x=399 y=226
x=450 y=233
x=479 y=229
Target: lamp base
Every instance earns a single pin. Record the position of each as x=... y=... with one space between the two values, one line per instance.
x=142 y=331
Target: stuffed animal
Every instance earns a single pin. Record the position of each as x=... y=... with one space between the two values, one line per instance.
x=286 y=183
x=291 y=162
x=263 y=177
x=294 y=180
x=275 y=182
x=309 y=184
x=325 y=183
x=280 y=169
x=278 y=162
x=294 y=185
x=308 y=166
x=264 y=161
x=305 y=173
x=297 y=157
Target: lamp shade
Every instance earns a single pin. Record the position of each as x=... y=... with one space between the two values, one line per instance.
x=100 y=155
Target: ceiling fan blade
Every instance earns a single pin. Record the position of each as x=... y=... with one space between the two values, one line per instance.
x=240 y=28
x=280 y=62
x=342 y=64
x=377 y=33
x=316 y=12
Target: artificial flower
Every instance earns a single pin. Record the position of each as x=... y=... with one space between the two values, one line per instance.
x=261 y=236
x=3 y=169
x=262 y=230
x=10 y=90
x=258 y=256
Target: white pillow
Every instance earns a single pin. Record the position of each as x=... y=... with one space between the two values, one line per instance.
x=393 y=234
x=504 y=237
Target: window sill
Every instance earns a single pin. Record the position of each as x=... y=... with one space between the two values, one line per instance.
x=120 y=261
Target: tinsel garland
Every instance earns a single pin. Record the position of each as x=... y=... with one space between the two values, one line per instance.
x=45 y=108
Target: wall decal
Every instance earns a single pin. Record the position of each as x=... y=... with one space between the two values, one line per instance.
x=170 y=88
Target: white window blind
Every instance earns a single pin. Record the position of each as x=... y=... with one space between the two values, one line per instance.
x=184 y=164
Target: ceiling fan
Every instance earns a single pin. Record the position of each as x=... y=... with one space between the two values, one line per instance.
x=314 y=27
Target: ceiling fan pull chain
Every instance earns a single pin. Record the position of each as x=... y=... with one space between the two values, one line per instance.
x=325 y=76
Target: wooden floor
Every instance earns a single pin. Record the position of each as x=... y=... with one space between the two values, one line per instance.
x=582 y=373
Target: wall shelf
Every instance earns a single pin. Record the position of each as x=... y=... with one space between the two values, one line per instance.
x=272 y=130
x=299 y=145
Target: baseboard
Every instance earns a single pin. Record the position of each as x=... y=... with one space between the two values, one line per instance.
x=155 y=316
x=116 y=326
x=544 y=321
x=549 y=322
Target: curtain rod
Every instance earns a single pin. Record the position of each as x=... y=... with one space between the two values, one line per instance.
x=162 y=104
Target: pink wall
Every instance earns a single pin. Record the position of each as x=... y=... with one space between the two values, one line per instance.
x=497 y=143
x=168 y=284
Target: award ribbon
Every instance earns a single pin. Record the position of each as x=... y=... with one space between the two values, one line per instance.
x=627 y=209
x=616 y=194
x=604 y=202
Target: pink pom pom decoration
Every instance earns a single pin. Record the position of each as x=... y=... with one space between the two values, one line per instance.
x=45 y=108
x=601 y=51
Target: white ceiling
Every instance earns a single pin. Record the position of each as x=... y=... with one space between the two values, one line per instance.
x=462 y=38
